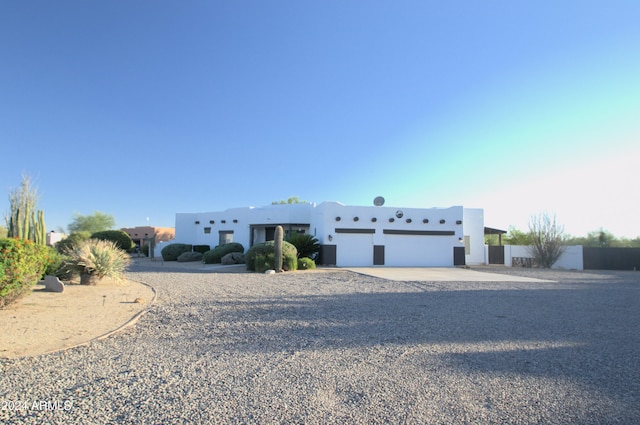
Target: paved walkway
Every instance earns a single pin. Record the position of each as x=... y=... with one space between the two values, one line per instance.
x=439 y=274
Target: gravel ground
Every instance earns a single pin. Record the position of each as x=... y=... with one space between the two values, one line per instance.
x=338 y=347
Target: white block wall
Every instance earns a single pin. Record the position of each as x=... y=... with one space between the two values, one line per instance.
x=571 y=258
x=473 y=221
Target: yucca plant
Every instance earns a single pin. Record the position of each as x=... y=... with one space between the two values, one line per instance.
x=95 y=259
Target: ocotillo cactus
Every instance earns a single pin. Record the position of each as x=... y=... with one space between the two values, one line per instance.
x=277 y=249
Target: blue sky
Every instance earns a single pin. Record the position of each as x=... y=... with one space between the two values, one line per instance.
x=142 y=109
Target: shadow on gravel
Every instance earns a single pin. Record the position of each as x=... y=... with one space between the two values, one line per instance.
x=587 y=333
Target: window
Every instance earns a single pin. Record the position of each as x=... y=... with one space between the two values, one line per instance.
x=207 y=229
x=467 y=245
x=226 y=236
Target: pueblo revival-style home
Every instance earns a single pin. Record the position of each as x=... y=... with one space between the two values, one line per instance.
x=350 y=236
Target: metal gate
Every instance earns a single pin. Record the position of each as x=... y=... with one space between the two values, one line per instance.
x=496 y=254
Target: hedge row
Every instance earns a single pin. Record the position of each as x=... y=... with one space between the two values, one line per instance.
x=173 y=251
x=215 y=255
x=22 y=264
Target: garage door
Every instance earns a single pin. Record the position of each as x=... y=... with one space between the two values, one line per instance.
x=354 y=250
x=418 y=250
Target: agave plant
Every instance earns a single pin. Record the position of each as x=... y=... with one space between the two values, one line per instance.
x=95 y=259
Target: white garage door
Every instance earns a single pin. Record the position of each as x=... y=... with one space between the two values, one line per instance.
x=418 y=250
x=354 y=250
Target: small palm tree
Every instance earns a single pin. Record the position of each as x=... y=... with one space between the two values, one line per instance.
x=95 y=259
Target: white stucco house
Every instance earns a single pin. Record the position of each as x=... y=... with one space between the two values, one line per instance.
x=350 y=236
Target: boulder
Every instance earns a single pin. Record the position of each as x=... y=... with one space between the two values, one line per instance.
x=53 y=284
x=232 y=258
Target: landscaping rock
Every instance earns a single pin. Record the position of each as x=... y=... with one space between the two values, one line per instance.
x=53 y=284
x=233 y=258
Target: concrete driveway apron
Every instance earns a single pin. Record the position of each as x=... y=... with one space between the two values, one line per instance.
x=438 y=274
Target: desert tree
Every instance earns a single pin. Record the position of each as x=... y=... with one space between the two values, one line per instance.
x=92 y=223
x=547 y=239
x=516 y=237
x=291 y=200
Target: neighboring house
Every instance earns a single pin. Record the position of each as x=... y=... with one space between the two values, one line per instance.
x=53 y=238
x=141 y=234
x=350 y=235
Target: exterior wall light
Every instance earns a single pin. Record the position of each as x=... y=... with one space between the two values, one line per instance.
x=461 y=240
x=425 y=220
x=330 y=238
x=458 y=221
x=356 y=218
x=197 y=222
x=223 y=221
x=443 y=221
x=212 y=221
x=391 y=220
x=408 y=220
x=373 y=220
x=235 y=220
x=338 y=218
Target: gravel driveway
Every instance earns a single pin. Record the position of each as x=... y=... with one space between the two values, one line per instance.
x=339 y=347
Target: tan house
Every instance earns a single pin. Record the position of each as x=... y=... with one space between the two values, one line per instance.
x=141 y=234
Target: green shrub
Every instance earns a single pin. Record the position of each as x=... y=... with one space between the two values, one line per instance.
x=264 y=253
x=97 y=258
x=264 y=262
x=55 y=263
x=71 y=241
x=144 y=249
x=22 y=264
x=173 y=251
x=307 y=245
x=186 y=257
x=215 y=255
x=120 y=238
x=201 y=248
x=305 y=263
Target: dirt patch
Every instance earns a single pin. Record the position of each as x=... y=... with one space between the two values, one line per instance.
x=43 y=322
